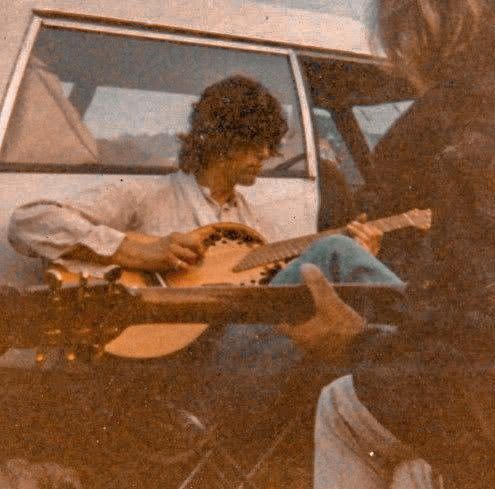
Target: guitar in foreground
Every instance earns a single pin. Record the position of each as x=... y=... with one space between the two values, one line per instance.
x=96 y=315
x=236 y=255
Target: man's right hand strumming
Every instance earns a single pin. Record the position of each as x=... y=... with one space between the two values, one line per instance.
x=176 y=251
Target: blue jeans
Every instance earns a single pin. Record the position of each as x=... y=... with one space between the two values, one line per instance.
x=253 y=362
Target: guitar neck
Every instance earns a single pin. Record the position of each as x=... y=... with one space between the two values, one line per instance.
x=287 y=249
x=244 y=305
x=95 y=315
x=221 y=305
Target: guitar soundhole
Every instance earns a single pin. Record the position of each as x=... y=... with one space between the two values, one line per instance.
x=224 y=236
x=232 y=235
x=251 y=240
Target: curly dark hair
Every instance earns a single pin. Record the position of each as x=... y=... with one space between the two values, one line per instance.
x=234 y=114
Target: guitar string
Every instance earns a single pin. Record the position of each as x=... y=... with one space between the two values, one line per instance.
x=280 y=250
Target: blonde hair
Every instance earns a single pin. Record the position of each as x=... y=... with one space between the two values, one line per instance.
x=431 y=40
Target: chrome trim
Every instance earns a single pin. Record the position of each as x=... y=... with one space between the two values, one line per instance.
x=144 y=34
x=312 y=162
x=17 y=76
x=343 y=56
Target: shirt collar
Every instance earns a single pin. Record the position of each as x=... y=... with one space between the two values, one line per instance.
x=207 y=194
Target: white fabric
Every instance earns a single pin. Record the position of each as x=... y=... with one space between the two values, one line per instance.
x=45 y=127
x=352 y=450
x=98 y=218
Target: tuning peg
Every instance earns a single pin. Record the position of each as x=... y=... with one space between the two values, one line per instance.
x=83 y=279
x=83 y=285
x=71 y=356
x=40 y=356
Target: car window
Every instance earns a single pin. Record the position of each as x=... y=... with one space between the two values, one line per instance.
x=375 y=120
x=112 y=101
x=332 y=146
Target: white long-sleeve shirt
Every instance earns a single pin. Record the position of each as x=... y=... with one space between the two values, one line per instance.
x=99 y=217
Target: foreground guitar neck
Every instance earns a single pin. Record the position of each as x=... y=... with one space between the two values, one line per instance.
x=94 y=315
x=286 y=303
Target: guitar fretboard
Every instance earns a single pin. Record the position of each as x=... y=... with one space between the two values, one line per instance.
x=283 y=250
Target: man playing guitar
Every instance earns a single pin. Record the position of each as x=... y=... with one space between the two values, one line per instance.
x=235 y=126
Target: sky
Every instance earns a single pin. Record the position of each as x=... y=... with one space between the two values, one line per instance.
x=357 y=9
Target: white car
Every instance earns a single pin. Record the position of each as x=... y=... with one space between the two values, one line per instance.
x=97 y=91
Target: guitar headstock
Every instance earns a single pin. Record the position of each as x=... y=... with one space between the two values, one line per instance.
x=85 y=315
x=421 y=218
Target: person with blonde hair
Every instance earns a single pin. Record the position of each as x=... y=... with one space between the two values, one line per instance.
x=418 y=410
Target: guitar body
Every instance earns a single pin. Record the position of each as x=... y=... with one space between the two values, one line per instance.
x=228 y=245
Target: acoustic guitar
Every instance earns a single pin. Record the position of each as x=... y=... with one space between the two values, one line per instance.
x=236 y=255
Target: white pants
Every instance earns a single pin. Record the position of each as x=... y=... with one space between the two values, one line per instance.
x=353 y=450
